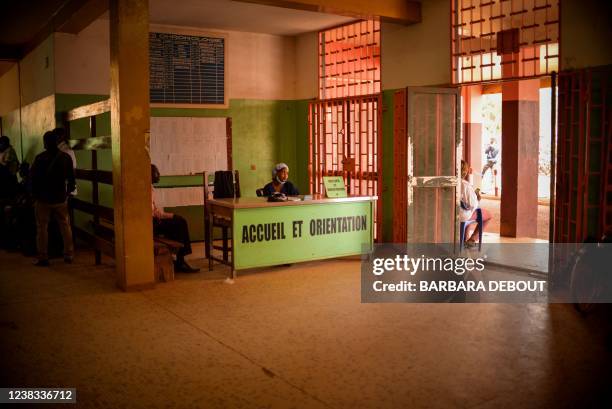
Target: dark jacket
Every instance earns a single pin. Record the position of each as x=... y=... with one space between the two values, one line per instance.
x=52 y=177
x=491 y=153
x=288 y=188
x=224 y=185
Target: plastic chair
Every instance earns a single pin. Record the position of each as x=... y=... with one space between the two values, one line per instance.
x=463 y=226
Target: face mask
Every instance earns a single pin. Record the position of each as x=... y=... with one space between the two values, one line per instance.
x=280 y=181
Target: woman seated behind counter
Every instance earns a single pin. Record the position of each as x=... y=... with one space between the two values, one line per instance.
x=280 y=182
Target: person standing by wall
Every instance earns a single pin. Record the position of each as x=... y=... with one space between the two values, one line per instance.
x=8 y=186
x=491 y=152
x=9 y=165
x=52 y=181
x=8 y=156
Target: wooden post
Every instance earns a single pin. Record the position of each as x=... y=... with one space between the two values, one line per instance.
x=129 y=40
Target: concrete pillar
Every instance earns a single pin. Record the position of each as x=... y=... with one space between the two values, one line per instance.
x=472 y=130
x=520 y=146
x=129 y=45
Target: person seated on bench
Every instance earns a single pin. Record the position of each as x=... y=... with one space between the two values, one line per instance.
x=280 y=182
x=173 y=227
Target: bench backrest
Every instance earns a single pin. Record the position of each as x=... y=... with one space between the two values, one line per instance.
x=103 y=216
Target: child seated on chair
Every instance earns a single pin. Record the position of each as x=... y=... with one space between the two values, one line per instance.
x=470 y=201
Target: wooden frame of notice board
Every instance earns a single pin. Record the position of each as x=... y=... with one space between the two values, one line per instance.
x=191 y=31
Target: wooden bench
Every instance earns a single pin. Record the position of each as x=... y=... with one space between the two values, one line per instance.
x=101 y=236
x=163 y=250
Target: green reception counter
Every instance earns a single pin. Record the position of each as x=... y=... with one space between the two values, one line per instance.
x=273 y=233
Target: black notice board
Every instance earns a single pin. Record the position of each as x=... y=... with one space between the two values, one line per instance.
x=186 y=69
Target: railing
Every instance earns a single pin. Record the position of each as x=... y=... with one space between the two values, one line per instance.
x=102 y=237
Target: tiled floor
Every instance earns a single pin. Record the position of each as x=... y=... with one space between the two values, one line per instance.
x=492 y=204
x=288 y=337
x=496 y=238
x=520 y=252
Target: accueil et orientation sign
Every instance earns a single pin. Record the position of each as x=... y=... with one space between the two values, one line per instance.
x=265 y=236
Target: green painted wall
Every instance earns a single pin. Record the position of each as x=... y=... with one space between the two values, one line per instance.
x=301 y=145
x=79 y=129
x=263 y=133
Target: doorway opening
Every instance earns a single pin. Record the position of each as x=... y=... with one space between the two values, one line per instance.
x=508 y=143
x=504 y=53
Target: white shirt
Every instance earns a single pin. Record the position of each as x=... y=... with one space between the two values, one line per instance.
x=158 y=212
x=63 y=146
x=469 y=199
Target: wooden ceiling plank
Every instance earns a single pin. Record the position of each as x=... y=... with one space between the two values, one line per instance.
x=75 y=21
x=71 y=17
x=396 y=11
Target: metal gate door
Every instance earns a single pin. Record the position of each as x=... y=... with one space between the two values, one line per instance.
x=584 y=158
x=583 y=185
x=346 y=140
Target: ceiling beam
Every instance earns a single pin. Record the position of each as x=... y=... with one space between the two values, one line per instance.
x=71 y=17
x=395 y=11
x=74 y=20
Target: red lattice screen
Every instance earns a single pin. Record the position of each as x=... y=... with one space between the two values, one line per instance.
x=349 y=60
x=503 y=39
x=584 y=158
x=345 y=140
x=583 y=185
x=344 y=124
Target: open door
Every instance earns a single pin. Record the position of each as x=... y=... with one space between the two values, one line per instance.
x=433 y=149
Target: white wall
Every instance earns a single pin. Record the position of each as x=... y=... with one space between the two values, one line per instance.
x=37 y=73
x=186 y=146
x=307 y=65
x=260 y=66
x=418 y=54
x=82 y=61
